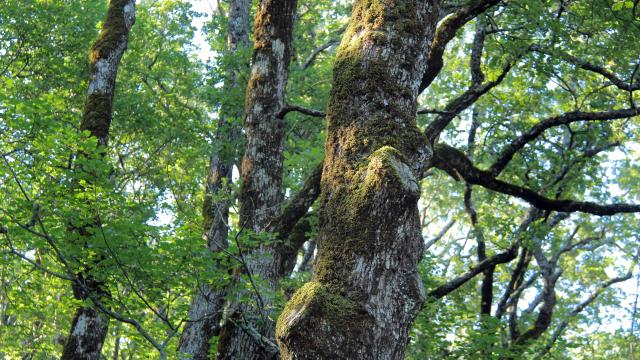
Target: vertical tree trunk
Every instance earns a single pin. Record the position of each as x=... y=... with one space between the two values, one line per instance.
x=206 y=308
x=248 y=324
x=89 y=326
x=366 y=291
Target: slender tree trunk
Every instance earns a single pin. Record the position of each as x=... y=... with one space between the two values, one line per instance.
x=366 y=291
x=206 y=308
x=89 y=326
x=246 y=333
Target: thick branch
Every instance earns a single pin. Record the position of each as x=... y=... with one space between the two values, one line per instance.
x=298 y=205
x=446 y=31
x=510 y=150
x=456 y=164
x=290 y=247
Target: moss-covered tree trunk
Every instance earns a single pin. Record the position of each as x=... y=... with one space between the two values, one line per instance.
x=248 y=331
x=366 y=291
x=89 y=326
x=206 y=308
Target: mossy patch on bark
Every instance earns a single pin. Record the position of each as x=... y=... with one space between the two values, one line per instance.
x=114 y=31
x=314 y=299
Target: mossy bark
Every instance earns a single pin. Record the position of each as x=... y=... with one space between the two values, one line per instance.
x=89 y=327
x=262 y=164
x=104 y=58
x=366 y=290
x=207 y=305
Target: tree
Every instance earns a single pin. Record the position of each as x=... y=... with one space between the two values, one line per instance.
x=207 y=306
x=90 y=324
x=375 y=154
x=503 y=132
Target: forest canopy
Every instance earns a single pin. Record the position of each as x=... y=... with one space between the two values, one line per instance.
x=376 y=179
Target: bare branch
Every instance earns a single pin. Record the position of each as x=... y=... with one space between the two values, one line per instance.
x=442 y=233
x=289 y=108
x=501 y=258
x=314 y=54
x=517 y=278
x=431 y=111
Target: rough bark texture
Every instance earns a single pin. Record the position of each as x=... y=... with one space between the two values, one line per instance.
x=104 y=58
x=88 y=331
x=366 y=291
x=89 y=327
x=206 y=307
x=261 y=195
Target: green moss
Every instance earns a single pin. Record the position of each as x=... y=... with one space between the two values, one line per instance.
x=315 y=300
x=97 y=114
x=375 y=13
x=375 y=132
x=112 y=31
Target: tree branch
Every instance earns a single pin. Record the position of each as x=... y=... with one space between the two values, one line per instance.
x=287 y=108
x=298 y=205
x=461 y=103
x=578 y=309
x=456 y=164
x=441 y=234
x=447 y=29
x=585 y=65
x=314 y=54
x=510 y=150
x=501 y=258
x=517 y=278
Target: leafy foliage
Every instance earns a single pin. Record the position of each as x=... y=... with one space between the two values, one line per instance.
x=147 y=188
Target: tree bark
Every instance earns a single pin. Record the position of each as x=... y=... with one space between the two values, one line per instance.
x=89 y=326
x=247 y=332
x=205 y=313
x=366 y=291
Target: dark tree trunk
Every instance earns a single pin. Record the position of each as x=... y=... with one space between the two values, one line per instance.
x=248 y=330
x=89 y=326
x=205 y=313
x=366 y=291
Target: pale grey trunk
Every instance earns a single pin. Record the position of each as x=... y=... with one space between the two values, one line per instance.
x=366 y=291
x=206 y=307
x=88 y=331
x=89 y=327
x=248 y=329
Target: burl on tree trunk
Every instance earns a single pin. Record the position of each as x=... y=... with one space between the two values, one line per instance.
x=366 y=291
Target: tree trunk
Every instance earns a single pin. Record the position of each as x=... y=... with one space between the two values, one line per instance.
x=366 y=291
x=205 y=313
x=248 y=329
x=89 y=326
